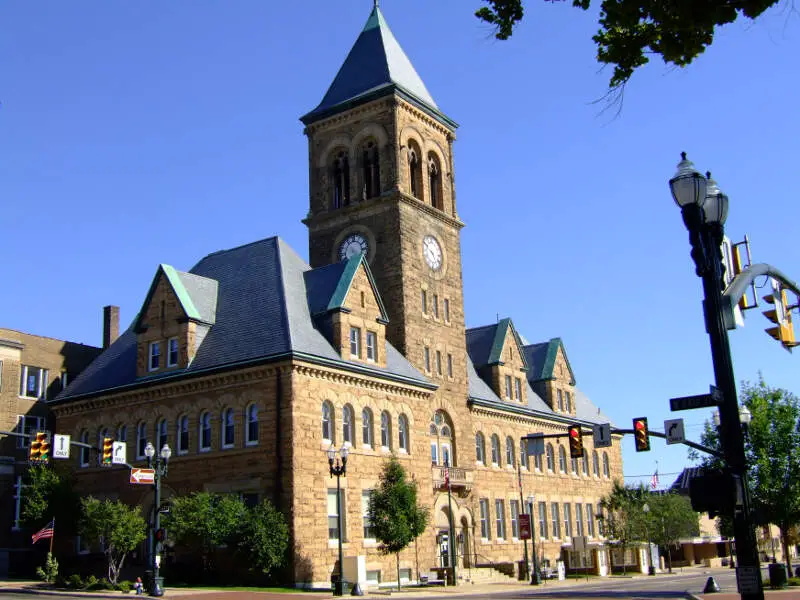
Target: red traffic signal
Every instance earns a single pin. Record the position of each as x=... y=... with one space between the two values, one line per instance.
x=641 y=434
x=575 y=441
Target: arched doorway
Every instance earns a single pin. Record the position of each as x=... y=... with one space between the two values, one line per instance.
x=462 y=533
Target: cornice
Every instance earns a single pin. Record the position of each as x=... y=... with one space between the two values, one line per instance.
x=347 y=115
x=349 y=378
x=425 y=118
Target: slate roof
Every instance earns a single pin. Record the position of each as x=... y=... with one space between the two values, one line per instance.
x=262 y=313
x=541 y=359
x=681 y=483
x=375 y=66
x=327 y=287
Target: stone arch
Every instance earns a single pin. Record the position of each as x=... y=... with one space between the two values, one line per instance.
x=370 y=130
x=340 y=141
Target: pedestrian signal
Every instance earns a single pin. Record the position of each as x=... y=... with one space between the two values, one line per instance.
x=108 y=451
x=641 y=435
x=575 y=441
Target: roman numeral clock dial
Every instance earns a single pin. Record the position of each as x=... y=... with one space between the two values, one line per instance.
x=352 y=245
x=432 y=252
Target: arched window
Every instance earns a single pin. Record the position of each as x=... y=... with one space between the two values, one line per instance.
x=141 y=439
x=562 y=459
x=161 y=435
x=586 y=462
x=84 y=437
x=496 y=450
x=606 y=471
x=204 y=427
x=327 y=421
x=414 y=170
x=386 y=431
x=228 y=429
x=574 y=466
x=366 y=427
x=595 y=464
x=551 y=461
x=435 y=181
x=523 y=454
x=122 y=433
x=402 y=433
x=480 y=448
x=251 y=431
x=182 y=434
x=370 y=170
x=341 y=179
x=348 y=434
x=537 y=462
x=441 y=433
x=568 y=401
x=510 y=452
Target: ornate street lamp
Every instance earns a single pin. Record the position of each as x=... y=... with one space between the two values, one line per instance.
x=704 y=209
x=651 y=570
x=160 y=466
x=339 y=469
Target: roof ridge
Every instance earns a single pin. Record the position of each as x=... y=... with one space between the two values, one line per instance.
x=481 y=327
x=224 y=250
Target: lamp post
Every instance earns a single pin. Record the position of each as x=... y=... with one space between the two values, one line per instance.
x=704 y=209
x=651 y=570
x=160 y=466
x=339 y=469
x=535 y=575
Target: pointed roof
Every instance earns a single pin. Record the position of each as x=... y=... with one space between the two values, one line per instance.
x=375 y=66
x=327 y=286
x=542 y=360
x=485 y=344
x=197 y=295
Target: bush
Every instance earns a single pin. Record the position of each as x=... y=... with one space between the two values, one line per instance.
x=124 y=586
x=50 y=570
x=103 y=584
x=794 y=581
x=75 y=582
x=90 y=582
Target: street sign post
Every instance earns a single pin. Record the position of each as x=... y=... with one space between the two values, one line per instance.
x=143 y=476
x=118 y=453
x=61 y=446
x=602 y=435
x=673 y=429
x=699 y=401
x=524 y=527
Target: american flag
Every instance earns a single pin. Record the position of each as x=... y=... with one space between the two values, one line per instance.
x=446 y=476
x=45 y=532
x=654 y=480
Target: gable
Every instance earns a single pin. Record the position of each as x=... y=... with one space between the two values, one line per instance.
x=162 y=304
x=506 y=339
x=543 y=359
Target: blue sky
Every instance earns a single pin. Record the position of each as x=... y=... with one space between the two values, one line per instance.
x=135 y=133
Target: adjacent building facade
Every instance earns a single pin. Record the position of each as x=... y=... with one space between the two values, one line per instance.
x=253 y=363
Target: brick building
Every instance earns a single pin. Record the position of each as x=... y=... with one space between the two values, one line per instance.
x=252 y=363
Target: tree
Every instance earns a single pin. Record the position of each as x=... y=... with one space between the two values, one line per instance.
x=203 y=521
x=678 y=31
x=623 y=518
x=772 y=452
x=670 y=518
x=264 y=538
x=119 y=528
x=48 y=494
x=394 y=512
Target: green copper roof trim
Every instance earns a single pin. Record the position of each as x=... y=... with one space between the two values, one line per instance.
x=346 y=281
x=500 y=333
x=550 y=361
x=180 y=291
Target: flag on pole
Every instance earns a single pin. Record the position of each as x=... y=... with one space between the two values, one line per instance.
x=45 y=532
x=654 y=480
x=447 y=476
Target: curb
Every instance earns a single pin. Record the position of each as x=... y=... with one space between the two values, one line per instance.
x=35 y=592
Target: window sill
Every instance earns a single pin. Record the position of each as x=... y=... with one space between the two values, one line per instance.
x=204 y=450
x=251 y=443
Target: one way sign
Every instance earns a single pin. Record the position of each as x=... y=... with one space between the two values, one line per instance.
x=673 y=429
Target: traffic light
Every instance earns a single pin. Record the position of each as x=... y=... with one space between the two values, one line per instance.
x=44 y=448
x=575 y=441
x=35 y=451
x=108 y=450
x=641 y=435
x=781 y=315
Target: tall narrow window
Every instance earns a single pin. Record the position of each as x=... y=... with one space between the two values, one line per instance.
x=510 y=452
x=327 y=421
x=424 y=298
x=595 y=464
x=574 y=466
x=402 y=431
x=333 y=515
x=183 y=435
x=435 y=181
x=508 y=387
x=513 y=507
x=369 y=528
x=372 y=346
x=122 y=433
x=84 y=450
x=543 y=520
x=480 y=448
x=155 y=355
x=589 y=521
x=446 y=310
x=161 y=434
x=141 y=439
x=606 y=470
x=585 y=461
x=341 y=180
x=386 y=430
x=414 y=171
x=568 y=402
x=562 y=459
x=518 y=387
x=449 y=365
x=555 y=520
x=434 y=445
x=439 y=363
x=33 y=382
x=172 y=352
x=500 y=518
x=370 y=170
x=347 y=425
x=551 y=463
x=228 y=429
x=560 y=397
x=599 y=515
x=355 y=342
x=523 y=454
x=366 y=427
x=578 y=519
x=495 y=450
x=251 y=413
x=436 y=306
x=427 y=359
x=537 y=462
x=204 y=427
x=567 y=520
x=485 y=531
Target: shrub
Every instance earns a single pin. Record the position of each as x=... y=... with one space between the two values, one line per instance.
x=75 y=582
x=90 y=582
x=794 y=581
x=124 y=586
x=50 y=570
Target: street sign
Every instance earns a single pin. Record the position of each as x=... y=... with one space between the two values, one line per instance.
x=602 y=435
x=60 y=446
x=579 y=543
x=699 y=401
x=143 y=476
x=535 y=443
x=673 y=429
x=748 y=580
x=118 y=453
x=524 y=527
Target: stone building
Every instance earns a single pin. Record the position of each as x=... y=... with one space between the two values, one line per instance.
x=252 y=363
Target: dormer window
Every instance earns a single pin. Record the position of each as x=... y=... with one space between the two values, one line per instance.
x=508 y=387
x=372 y=346
x=518 y=384
x=568 y=401
x=560 y=397
x=172 y=352
x=355 y=342
x=154 y=356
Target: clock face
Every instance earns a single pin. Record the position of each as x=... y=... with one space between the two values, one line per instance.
x=352 y=245
x=432 y=252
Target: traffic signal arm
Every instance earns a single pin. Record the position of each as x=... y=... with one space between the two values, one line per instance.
x=740 y=284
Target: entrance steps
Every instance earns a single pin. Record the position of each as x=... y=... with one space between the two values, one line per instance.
x=485 y=574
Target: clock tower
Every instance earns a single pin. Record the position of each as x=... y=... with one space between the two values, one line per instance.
x=381 y=183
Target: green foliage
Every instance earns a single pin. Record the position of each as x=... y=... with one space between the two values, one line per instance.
x=393 y=510
x=121 y=528
x=203 y=521
x=48 y=493
x=670 y=518
x=124 y=586
x=75 y=582
x=630 y=30
x=50 y=571
x=794 y=581
x=623 y=519
x=264 y=538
